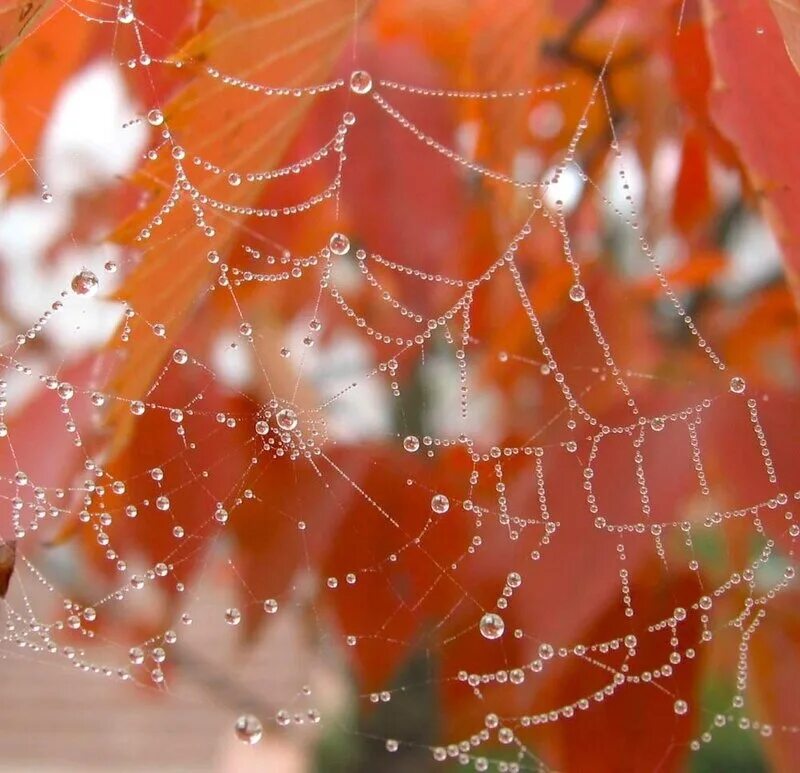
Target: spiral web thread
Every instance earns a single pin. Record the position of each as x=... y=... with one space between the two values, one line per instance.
x=284 y=428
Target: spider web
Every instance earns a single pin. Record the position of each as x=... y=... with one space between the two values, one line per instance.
x=370 y=399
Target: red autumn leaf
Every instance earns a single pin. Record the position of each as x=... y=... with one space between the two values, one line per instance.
x=744 y=42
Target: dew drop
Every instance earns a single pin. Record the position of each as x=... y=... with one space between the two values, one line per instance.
x=248 y=729
x=411 y=444
x=577 y=293
x=85 y=282
x=287 y=419
x=360 y=82
x=339 y=244
x=681 y=707
x=124 y=14
x=180 y=357
x=492 y=626
x=155 y=118
x=233 y=616
x=738 y=385
x=440 y=504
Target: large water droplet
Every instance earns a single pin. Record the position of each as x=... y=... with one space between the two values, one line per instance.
x=492 y=626
x=411 y=444
x=248 y=729
x=577 y=293
x=360 y=82
x=287 y=419
x=440 y=504
x=738 y=385
x=339 y=244
x=85 y=282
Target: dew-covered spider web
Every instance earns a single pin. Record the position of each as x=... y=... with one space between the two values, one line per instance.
x=460 y=458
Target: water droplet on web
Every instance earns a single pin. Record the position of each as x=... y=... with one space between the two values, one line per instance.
x=392 y=745
x=246 y=329
x=738 y=385
x=287 y=419
x=248 y=729
x=360 y=82
x=137 y=407
x=657 y=424
x=492 y=626
x=65 y=390
x=155 y=118
x=262 y=427
x=339 y=244
x=47 y=197
x=85 y=282
x=271 y=606
x=546 y=651
x=514 y=580
x=234 y=179
x=681 y=706
x=577 y=293
x=124 y=14
x=136 y=656
x=180 y=356
x=233 y=616
x=440 y=504
x=411 y=444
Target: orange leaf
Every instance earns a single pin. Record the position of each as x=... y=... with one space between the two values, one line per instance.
x=17 y=18
x=271 y=43
x=744 y=41
x=30 y=80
